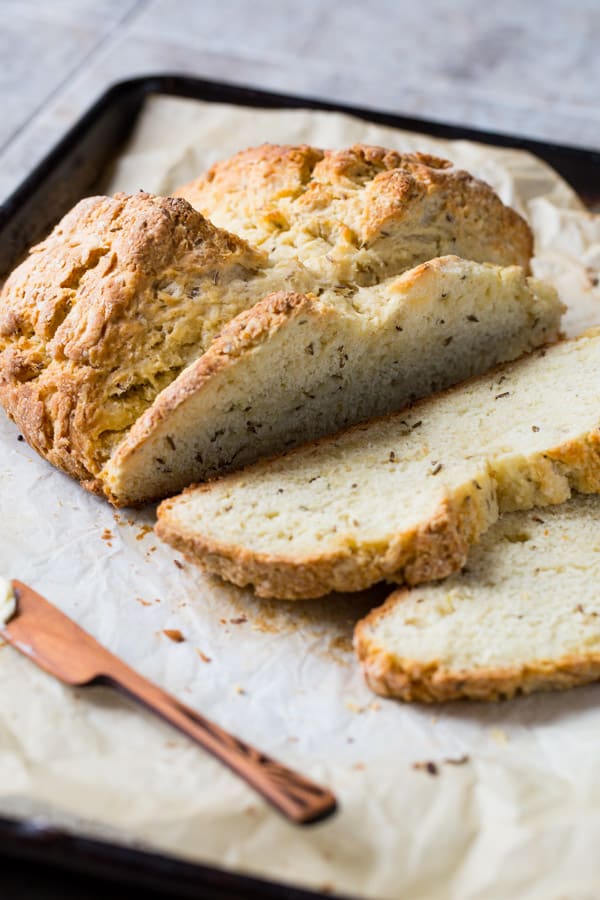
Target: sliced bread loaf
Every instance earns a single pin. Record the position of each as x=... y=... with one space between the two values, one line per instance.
x=296 y=367
x=522 y=616
x=402 y=498
x=359 y=215
x=116 y=319
x=121 y=297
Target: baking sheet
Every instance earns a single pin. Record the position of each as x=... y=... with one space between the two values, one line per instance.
x=510 y=806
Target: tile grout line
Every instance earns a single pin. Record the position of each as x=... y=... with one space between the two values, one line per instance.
x=104 y=39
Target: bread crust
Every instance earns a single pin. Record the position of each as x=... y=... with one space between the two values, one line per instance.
x=76 y=318
x=361 y=200
x=433 y=682
x=431 y=551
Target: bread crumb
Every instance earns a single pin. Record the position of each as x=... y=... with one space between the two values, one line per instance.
x=353 y=707
x=203 y=656
x=143 y=602
x=174 y=634
x=239 y=689
x=427 y=766
x=457 y=761
x=499 y=736
x=178 y=564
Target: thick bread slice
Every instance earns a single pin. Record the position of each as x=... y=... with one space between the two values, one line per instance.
x=523 y=616
x=402 y=498
x=108 y=310
x=295 y=367
x=358 y=215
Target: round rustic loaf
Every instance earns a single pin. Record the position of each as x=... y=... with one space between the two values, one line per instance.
x=117 y=360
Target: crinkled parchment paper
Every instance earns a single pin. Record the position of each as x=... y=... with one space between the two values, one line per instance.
x=514 y=809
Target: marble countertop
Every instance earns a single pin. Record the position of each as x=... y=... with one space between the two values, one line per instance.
x=523 y=68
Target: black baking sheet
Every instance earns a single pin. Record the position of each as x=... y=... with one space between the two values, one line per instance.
x=71 y=171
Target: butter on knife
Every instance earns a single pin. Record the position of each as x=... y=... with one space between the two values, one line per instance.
x=8 y=601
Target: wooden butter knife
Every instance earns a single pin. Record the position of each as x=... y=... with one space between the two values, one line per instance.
x=59 y=646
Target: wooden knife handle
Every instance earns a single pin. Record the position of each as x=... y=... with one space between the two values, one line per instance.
x=299 y=799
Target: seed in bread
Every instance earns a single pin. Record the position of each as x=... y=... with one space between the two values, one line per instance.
x=523 y=616
x=402 y=498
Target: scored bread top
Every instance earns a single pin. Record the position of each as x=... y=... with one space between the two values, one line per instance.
x=522 y=616
x=360 y=214
x=103 y=314
x=403 y=497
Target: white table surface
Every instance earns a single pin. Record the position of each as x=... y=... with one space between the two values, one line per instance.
x=529 y=67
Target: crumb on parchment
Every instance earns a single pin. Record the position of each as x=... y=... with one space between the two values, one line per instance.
x=174 y=634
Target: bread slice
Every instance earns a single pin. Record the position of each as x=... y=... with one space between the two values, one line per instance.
x=296 y=367
x=522 y=616
x=402 y=498
x=359 y=215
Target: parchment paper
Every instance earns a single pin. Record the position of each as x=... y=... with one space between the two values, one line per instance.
x=514 y=809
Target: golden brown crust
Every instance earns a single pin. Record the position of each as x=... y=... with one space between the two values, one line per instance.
x=435 y=549
x=433 y=682
x=357 y=198
x=76 y=323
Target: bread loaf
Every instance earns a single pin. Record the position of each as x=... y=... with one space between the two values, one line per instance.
x=402 y=498
x=522 y=616
x=118 y=363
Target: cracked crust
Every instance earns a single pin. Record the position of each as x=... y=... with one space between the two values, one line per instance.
x=90 y=326
x=362 y=213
